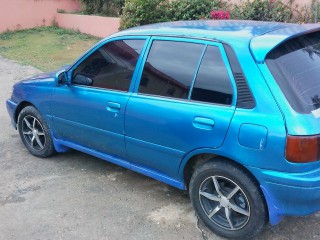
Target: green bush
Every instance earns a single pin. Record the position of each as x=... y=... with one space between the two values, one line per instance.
x=315 y=11
x=194 y=9
x=262 y=10
x=141 y=12
x=111 y=8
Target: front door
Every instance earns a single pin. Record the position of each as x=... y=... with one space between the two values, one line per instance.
x=90 y=111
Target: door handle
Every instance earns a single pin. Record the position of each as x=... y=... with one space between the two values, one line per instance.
x=113 y=107
x=203 y=123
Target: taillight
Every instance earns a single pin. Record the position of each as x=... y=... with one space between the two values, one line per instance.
x=303 y=149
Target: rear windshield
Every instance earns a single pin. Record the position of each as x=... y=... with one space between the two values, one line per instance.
x=295 y=65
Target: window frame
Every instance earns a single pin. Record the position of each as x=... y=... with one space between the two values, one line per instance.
x=101 y=44
x=196 y=76
x=205 y=44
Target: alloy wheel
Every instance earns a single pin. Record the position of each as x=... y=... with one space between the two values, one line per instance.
x=33 y=132
x=224 y=203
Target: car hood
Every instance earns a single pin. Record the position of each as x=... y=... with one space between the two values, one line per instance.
x=45 y=76
x=41 y=76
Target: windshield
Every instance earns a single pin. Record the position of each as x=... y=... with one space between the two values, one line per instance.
x=295 y=65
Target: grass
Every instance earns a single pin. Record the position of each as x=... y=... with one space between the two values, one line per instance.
x=46 y=48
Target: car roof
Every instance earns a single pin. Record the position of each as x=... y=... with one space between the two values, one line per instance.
x=261 y=37
x=212 y=29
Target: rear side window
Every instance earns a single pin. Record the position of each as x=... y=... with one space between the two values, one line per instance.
x=111 y=66
x=212 y=83
x=170 y=68
x=295 y=66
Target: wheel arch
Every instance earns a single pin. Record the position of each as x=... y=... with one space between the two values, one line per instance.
x=19 y=108
x=193 y=159
x=200 y=156
x=45 y=145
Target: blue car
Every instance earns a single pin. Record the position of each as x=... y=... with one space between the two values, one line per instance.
x=227 y=110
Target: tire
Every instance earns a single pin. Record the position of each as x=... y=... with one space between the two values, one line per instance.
x=227 y=200
x=34 y=133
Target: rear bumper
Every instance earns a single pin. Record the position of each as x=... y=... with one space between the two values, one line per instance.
x=11 y=107
x=294 y=194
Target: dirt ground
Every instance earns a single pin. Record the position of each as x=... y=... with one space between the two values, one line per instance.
x=77 y=196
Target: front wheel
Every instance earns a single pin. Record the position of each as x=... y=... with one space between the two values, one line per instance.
x=227 y=200
x=34 y=132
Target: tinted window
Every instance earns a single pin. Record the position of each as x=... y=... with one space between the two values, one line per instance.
x=170 y=68
x=295 y=66
x=111 y=66
x=212 y=82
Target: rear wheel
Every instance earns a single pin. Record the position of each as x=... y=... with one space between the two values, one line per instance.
x=227 y=200
x=34 y=132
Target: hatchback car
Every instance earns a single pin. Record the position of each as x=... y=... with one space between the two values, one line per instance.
x=228 y=110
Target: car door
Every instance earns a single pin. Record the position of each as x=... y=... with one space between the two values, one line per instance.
x=90 y=111
x=184 y=101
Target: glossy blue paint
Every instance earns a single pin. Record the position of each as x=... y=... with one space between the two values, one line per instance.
x=203 y=123
x=157 y=136
x=43 y=87
x=295 y=194
x=257 y=133
x=154 y=156
x=59 y=147
x=297 y=124
x=121 y=162
x=76 y=109
x=226 y=31
x=113 y=107
x=260 y=46
x=143 y=112
x=11 y=107
x=176 y=115
x=84 y=110
x=275 y=214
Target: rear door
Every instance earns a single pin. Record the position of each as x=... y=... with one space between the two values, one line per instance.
x=185 y=100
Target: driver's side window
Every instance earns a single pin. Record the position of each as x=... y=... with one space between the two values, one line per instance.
x=111 y=66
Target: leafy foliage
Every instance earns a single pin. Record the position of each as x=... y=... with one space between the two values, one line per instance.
x=141 y=12
x=194 y=9
x=262 y=10
x=111 y=8
x=315 y=11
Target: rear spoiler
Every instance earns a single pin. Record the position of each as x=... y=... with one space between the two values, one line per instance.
x=261 y=45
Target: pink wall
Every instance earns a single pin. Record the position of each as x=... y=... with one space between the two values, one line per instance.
x=20 y=14
x=93 y=25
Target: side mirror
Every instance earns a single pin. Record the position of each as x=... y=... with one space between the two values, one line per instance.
x=61 y=78
x=80 y=79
